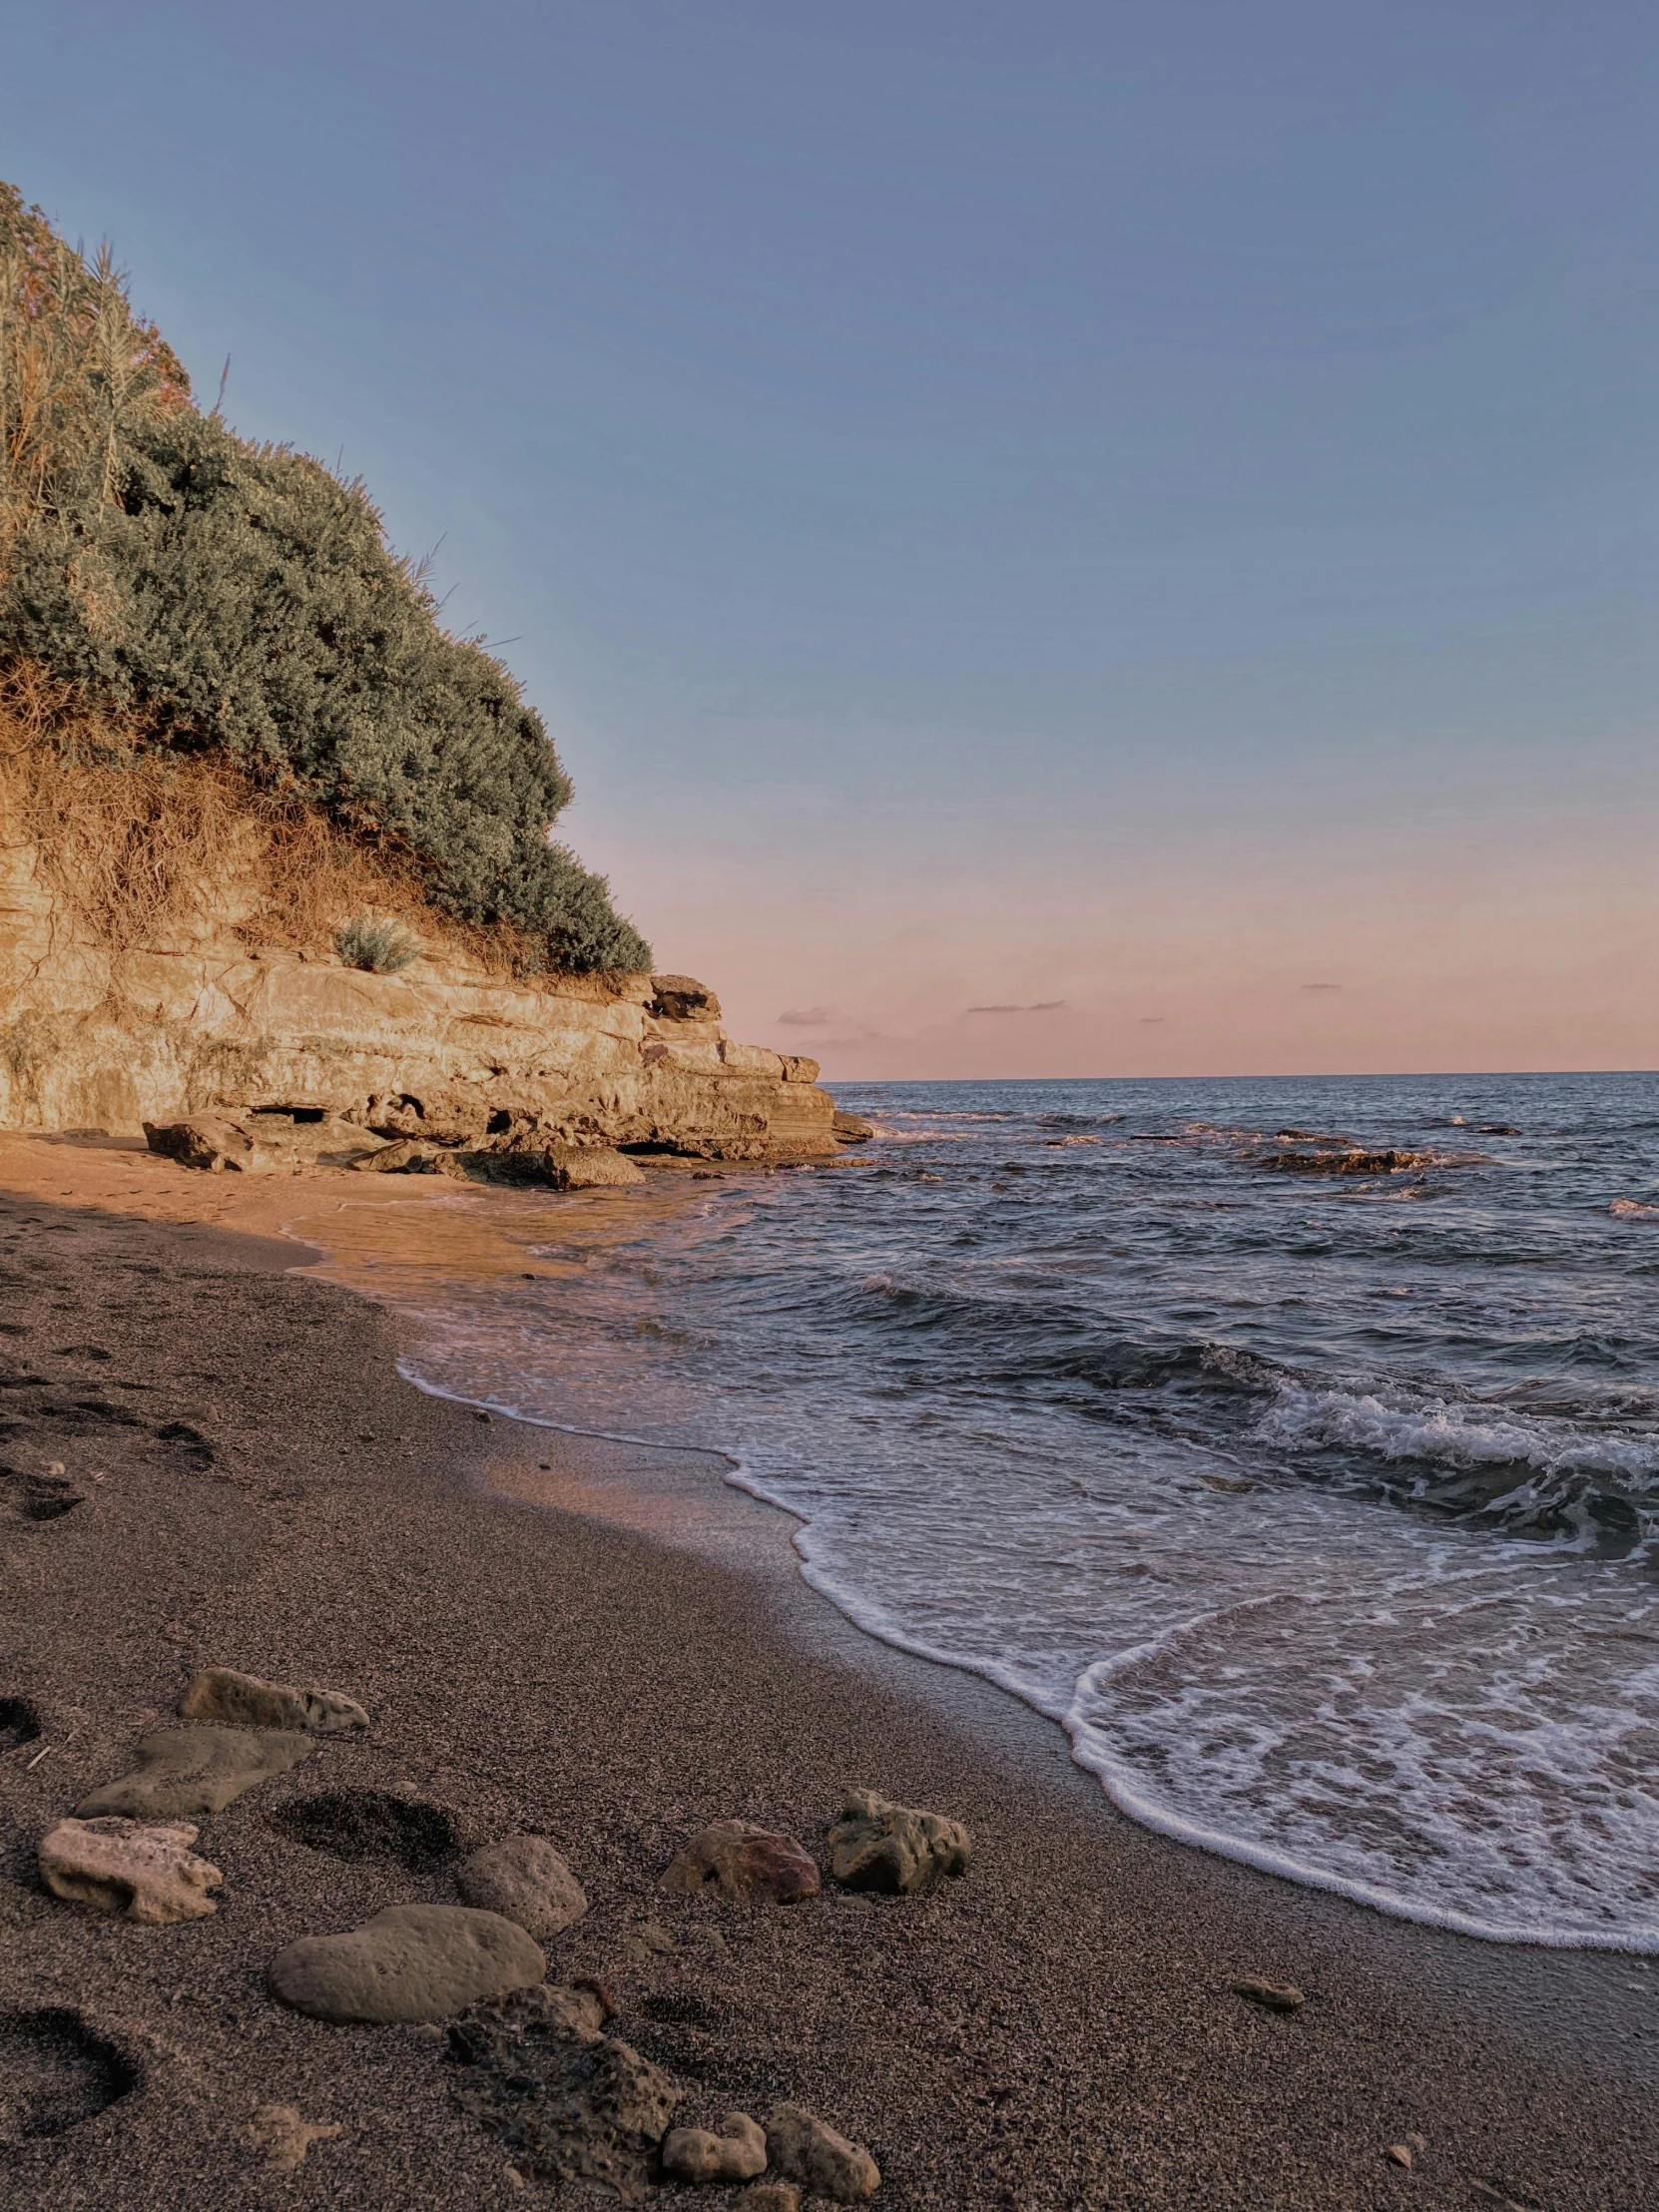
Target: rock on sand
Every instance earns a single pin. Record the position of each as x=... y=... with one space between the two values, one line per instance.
x=148 y=1872
x=805 y=2148
x=245 y=1701
x=189 y=1770
x=734 y=2149
x=743 y=1860
x=410 y=1962
x=877 y=1845
x=525 y=1880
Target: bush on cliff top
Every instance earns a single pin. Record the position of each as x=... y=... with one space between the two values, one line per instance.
x=244 y=597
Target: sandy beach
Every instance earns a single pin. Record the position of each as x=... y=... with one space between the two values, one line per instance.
x=604 y=1643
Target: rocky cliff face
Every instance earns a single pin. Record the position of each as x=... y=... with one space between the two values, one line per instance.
x=95 y=1036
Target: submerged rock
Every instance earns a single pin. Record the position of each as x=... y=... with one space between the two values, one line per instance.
x=1348 y=1162
x=740 y=1860
x=879 y=1845
x=524 y=1879
x=734 y=2149
x=570 y=2102
x=145 y=1871
x=410 y=1962
x=806 y=2149
x=244 y=1700
x=188 y=1771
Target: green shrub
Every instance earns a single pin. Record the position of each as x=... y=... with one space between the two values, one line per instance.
x=379 y=946
x=244 y=597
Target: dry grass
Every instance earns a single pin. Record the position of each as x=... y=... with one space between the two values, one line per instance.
x=142 y=847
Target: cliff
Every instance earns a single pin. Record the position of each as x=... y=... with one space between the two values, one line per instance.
x=193 y=1006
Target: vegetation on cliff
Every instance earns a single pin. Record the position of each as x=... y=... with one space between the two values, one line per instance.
x=213 y=595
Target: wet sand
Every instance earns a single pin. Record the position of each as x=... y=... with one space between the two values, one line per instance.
x=606 y=1643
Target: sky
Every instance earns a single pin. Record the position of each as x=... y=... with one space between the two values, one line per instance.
x=1115 y=538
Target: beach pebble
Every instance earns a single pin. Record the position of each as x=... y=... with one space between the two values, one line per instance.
x=572 y=2103
x=877 y=1845
x=147 y=1872
x=1272 y=1996
x=410 y=1962
x=806 y=2149
x=772 y=2196
x=734 y=2149
x=282 y=2138
x=524 y=1879
x=1398 y=2154
x=738 y=1859
x=189 y=1770
x=245 y=1701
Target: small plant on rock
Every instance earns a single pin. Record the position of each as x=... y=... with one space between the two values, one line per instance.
x=379 y=946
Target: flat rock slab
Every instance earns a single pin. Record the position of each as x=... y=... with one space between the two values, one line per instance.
x=189 y=1770
x=245 y=1701
x=877 y=1845
x=146 y=1871
x=738 y=1859
x=525 y=1880
x=410 y=1962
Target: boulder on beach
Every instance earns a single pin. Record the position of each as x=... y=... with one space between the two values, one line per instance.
x=245 y=1701
x=806 y=2149
x=190 y=1771
x=574 y=2103
x=895 y=1847
x=209 y=1140
x=772 y=2196
x=146 y=1871
x=410 y=1962
x=740 y=1860
x=734 y=2149
x=407 y=1156
x=525 y=1880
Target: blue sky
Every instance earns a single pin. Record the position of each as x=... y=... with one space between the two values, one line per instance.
x=1148 y=506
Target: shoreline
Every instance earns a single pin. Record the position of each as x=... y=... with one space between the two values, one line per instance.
x=1055 y=2030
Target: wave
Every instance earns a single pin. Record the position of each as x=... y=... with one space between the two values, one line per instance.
x=1541 y=1476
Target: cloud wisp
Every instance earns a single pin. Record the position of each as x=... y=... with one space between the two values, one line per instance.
x=1037 y=1006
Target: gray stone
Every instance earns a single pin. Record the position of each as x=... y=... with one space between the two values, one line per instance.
x=410 y=1962
x=734 y=2149
x=571 y=2102
x=806 y=2149
x=148 y=1872
x=877 y=1845
x=190 y=1771
x=245 y=1701
x=525 y=1880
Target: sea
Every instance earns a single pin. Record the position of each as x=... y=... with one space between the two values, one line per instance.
x=1319 y=1509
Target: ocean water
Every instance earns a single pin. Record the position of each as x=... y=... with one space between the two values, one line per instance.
x=1320 y=1511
